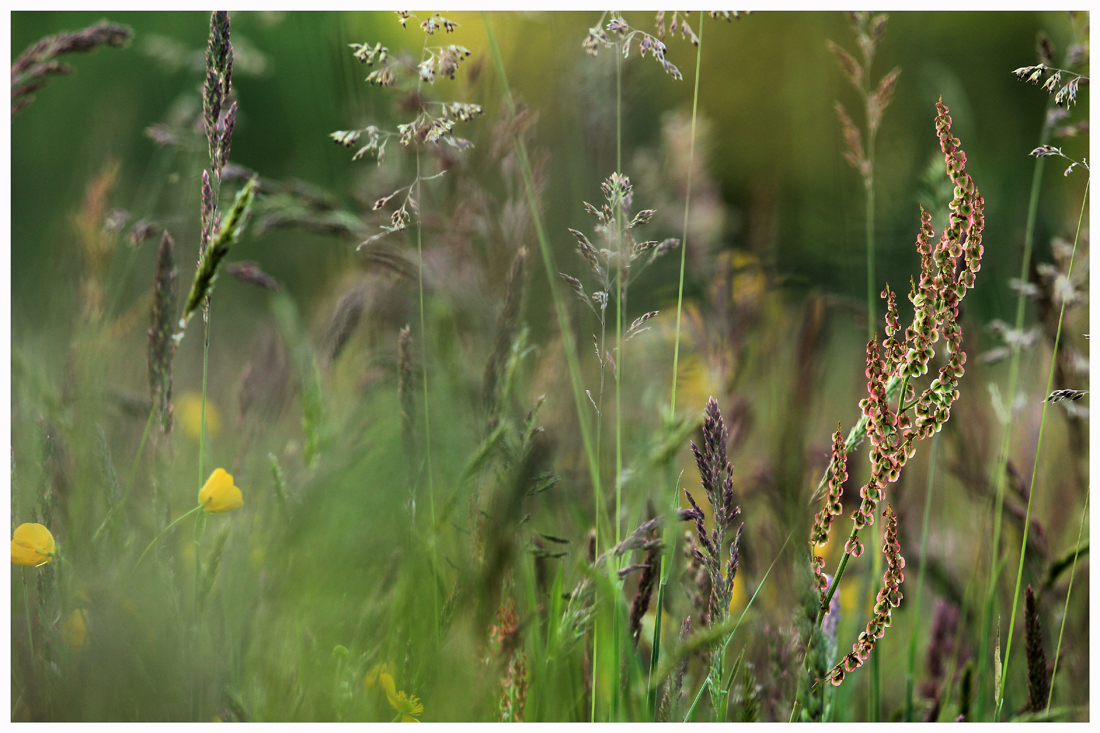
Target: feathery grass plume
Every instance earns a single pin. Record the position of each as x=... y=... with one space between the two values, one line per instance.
x=229 y=232
x=941 y=646
x=250 y=272
x=345 y=319
x=505 y=335
x=869 y=31
x=433 y=124
x=889 y=596
x=406 y=391
x=617 y=31
x=36 y=65
x=1038 y=682
x=1067 y=93
x=161 y=348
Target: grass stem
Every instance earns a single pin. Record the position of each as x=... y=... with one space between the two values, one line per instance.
x=1069 y=591
x=1035 y=464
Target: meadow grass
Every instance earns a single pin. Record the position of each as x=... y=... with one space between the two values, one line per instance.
x=550 y=574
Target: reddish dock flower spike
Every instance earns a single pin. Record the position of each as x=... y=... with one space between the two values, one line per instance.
x=889 y=597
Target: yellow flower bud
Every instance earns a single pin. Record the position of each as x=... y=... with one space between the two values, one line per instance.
x=32 y=545
x=219 y=494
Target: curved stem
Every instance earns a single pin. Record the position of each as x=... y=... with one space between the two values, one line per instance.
x=684 y=237
x=998 y=475
x=163 y=531
x=1035 y=465
x=836 y=581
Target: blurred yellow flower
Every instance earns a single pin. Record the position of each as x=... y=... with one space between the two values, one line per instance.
x=406 y=706
x=32 y=545
x=189 y=411
x=75 y=630
x=740 y=596
x=219 y=494
x=374 y=672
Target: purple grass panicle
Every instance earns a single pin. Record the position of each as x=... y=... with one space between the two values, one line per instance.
x=716 y=476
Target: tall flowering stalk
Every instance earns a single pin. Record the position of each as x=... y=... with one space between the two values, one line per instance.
x=905 y=356
x=716 y=476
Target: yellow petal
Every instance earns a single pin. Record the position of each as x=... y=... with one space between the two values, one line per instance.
x=219 y=494
x=371 y=678
x=32 y=545
x=390 y=688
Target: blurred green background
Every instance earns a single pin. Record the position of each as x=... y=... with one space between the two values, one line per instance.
x=767 y=90
x=773 y=191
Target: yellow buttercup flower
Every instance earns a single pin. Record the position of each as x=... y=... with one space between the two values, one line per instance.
x=32 y=545
x=406 y=705
x=219 y=494
x=189 y=411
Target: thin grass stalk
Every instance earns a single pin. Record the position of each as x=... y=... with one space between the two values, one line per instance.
x=1006 y=437
x=424 y=352
x=911 y=664
x=1035 y=465
x=1069 y=591
x=687 y=210
x=616 y=631
x=551 y=268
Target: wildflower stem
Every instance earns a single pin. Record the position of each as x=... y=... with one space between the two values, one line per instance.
x=1069 y=591
x=1035 y=464
x=836 y=581
x=912 y=662
x=163 y=531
